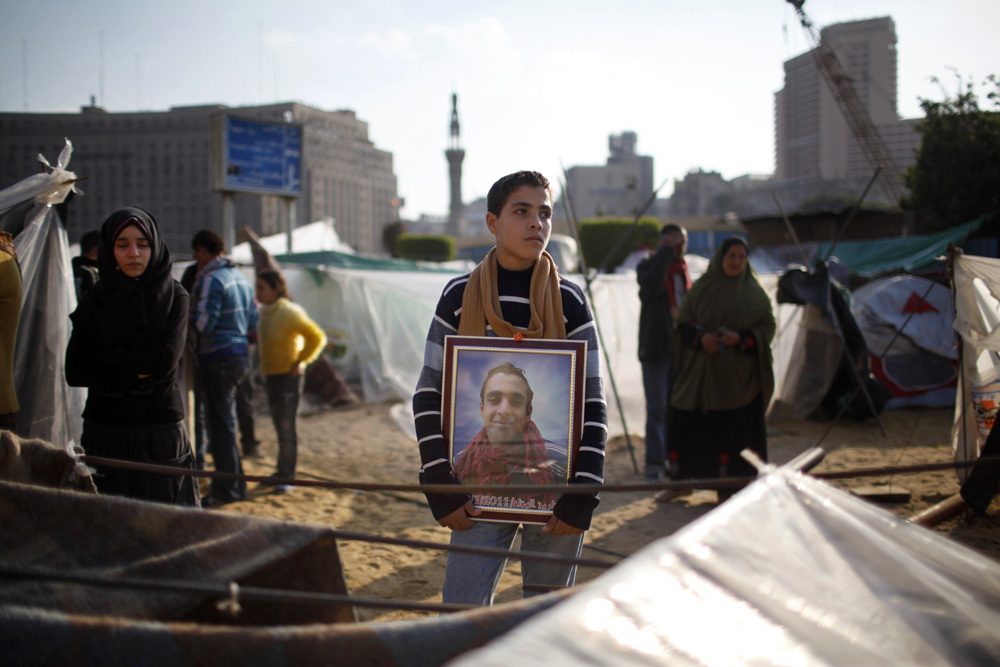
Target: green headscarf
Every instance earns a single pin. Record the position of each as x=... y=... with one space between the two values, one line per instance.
x=730 y=379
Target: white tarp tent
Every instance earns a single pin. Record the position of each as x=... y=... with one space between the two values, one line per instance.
x=907 y=322
x=977 y=321
x=790 y=571
x=381 y=317
x=319 y=235
x=49 y=408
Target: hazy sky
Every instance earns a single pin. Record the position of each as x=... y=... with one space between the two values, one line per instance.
x=540 y=83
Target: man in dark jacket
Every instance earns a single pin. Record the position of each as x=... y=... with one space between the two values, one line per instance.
x=663 y=282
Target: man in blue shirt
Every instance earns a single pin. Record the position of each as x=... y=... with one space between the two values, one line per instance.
x=223 y=315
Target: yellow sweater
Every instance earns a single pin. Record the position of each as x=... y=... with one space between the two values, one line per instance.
x=285 y=334
x=10 y=314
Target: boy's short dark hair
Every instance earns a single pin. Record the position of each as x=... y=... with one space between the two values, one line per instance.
x=500 y=191
x=671 y=227
x=210 y=241
x=89 y=241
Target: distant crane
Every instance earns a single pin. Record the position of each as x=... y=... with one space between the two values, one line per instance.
x=850 y=105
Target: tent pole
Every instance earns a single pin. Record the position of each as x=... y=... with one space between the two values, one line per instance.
x=854 y=212
x=791 y=230
x=950 y=264
x=568 y=203
x=854 y=369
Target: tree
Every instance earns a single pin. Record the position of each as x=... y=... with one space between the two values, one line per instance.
x=957 y=173
x=426 y=247
x=390 y=233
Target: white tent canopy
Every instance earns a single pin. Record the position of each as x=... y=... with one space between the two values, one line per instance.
x=907 y=322
x=319 y=235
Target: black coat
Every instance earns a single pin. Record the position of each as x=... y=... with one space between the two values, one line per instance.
x=656 y=325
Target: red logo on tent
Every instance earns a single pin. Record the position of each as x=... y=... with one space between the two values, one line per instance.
x=915 y=305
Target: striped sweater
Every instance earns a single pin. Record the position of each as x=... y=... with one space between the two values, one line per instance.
x=574 y=509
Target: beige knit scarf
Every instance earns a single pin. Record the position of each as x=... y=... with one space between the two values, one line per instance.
x=481 y=302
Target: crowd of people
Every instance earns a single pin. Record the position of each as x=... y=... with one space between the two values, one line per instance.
x=134 y=325
x=704 y=348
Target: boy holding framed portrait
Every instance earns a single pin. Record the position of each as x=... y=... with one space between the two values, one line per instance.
x=515 y=294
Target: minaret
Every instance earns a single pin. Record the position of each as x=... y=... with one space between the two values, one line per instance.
x=455 y=155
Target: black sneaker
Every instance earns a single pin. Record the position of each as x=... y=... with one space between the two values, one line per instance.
x=213 y=500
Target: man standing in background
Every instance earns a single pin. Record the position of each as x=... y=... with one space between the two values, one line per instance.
x=663 y=282
x=85 y=266
x=222 y=318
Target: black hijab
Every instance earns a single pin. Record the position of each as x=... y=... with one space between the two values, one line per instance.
x=128 y=311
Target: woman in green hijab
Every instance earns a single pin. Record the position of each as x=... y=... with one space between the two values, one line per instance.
x=725 y=380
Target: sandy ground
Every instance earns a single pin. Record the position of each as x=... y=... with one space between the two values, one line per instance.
x=363 y=444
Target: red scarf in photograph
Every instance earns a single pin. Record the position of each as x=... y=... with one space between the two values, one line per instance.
x=483 y=463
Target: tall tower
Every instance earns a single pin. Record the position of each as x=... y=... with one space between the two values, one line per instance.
x=455 y=155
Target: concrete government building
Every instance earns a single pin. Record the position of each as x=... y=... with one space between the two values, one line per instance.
x=160 y=161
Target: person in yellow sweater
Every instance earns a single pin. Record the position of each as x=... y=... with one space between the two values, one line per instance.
x=288 y=341
x=10 y=315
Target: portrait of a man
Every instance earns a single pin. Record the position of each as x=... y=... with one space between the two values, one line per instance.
x=509 y=448
x=512 y=416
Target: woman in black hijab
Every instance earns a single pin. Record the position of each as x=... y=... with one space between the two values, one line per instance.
x=128 y=337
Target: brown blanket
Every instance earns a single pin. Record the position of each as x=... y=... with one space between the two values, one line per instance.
x=59 y=623
x=38 y=462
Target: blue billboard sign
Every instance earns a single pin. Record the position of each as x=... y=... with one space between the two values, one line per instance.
x=263 y=157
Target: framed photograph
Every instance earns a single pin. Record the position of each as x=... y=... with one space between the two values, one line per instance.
x=513 y=415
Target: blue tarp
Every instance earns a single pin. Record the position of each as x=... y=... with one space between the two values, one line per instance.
x=910 y=254
x=343 y=260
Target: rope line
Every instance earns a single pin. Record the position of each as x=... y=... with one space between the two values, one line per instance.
x=224 y=591
x=423 y=503
x=536 y=556
x=711 y=484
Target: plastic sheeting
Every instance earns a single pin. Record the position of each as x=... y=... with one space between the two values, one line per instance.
x=319 y=235
x=868 y=257
x=49 y=409
x=818 y=375
x=889 y=306
x=977 y=321
x=789 y=571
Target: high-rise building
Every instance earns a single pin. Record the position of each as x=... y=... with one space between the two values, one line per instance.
x=813 y=142
x=159 y=160
x=617 y=189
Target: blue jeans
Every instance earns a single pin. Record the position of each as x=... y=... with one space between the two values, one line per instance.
x=200 y=435
x=656 y=384
x=244 y=417
x=218 y=381
x=472 y=579
x=283 y=400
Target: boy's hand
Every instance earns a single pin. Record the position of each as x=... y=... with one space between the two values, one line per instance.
x=557 y=527
x=459 y=519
